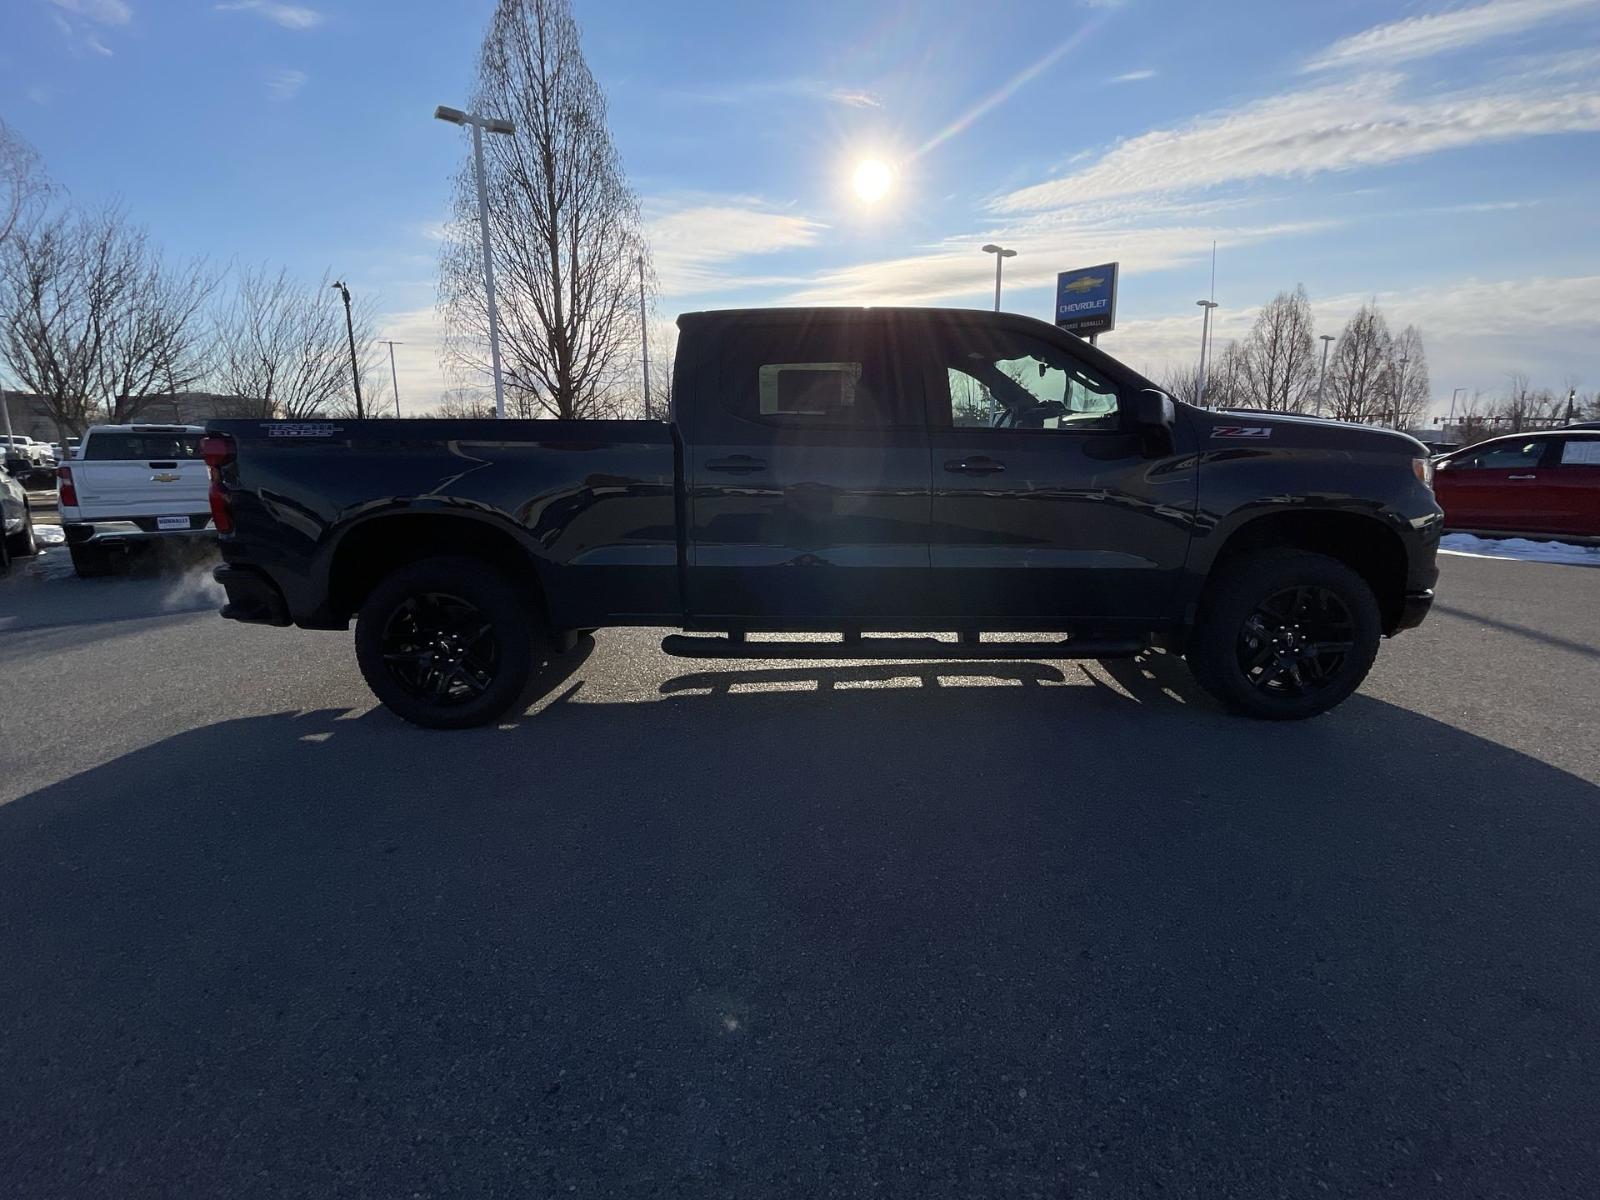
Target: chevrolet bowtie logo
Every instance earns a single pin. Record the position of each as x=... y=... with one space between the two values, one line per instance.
x=164 y=477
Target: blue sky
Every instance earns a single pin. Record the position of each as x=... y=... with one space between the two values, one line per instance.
x=1441 y=157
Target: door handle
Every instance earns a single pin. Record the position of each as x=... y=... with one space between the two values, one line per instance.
x=1522 y=477
x=979 y=465
x=738 y=464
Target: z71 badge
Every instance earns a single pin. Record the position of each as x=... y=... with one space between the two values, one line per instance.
x=1242 y=431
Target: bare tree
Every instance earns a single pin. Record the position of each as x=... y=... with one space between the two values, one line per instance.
x=1358 y=370
x=23 y=185
x=47 y=322
x=1406 y=385
x=565 y=227
x=464 y=404
x=149 y=320
x=283 y=346
x=1279 y=354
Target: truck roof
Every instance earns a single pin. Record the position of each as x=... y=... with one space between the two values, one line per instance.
x=713 y=318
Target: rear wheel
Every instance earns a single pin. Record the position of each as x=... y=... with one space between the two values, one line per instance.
x=90 y=562
x=1285 y=634
x=447 y=643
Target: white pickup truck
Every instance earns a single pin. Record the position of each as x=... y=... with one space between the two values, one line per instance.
x=133 y=484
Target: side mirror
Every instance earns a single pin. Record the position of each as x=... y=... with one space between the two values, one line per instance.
x=1156 y=414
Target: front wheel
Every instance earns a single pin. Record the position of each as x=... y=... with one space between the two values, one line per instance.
x=446 y=643
x=1285 y=634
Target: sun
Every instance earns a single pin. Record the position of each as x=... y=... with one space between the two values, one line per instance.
x=872 y=180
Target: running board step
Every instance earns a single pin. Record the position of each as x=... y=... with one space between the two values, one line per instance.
x=681 y=645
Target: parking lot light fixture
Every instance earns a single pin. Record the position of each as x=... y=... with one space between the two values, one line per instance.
x=1000 y=255
x=1205 y=341
x=479 y=125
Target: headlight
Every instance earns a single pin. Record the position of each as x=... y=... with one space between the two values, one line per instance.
x=1422 y=468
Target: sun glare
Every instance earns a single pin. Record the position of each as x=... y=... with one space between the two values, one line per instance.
x=872 y=180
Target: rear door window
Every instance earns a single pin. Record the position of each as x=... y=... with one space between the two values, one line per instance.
x=142 y=447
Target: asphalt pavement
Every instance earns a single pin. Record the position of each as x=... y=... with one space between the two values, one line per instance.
x=779 y=929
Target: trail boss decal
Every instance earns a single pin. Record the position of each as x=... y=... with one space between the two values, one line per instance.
x=304 y=429
x=1242 y=431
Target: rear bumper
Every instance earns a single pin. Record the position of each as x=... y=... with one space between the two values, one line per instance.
x=1414 y=608
x=112 y=533
x=252 y=597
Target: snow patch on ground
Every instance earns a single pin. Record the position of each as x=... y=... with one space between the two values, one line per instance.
x=1520 y=548
x=49 y=535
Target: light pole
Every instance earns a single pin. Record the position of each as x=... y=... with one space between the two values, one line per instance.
x=644 y=339
x=349 y=328
x=494 y=125
x=1205 y=340
x=1451 y=419
x=1000 y=255
x=393 y=378
x=1322 y=380
x=1399 y=391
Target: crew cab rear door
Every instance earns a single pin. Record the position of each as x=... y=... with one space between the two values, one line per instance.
x=148 y=471
x=1044 y=503
x=806 y=459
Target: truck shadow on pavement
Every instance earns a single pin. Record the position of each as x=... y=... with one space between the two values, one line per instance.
x=1000 y=934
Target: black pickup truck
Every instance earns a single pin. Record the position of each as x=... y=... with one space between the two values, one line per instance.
x=845 y=471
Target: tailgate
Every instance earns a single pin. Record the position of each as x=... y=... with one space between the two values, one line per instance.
x=134 y=475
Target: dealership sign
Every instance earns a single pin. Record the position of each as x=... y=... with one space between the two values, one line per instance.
x=1086 y=299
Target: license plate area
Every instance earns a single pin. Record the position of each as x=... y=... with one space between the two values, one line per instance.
x=172 y=522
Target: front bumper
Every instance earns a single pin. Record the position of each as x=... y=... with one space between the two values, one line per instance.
x=1414 y=608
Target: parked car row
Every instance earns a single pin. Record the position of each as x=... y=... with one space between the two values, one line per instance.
x=1545 y=484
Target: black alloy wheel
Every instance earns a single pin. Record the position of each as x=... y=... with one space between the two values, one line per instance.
x=448 y=642
x=440 y=649
x=1296 y=641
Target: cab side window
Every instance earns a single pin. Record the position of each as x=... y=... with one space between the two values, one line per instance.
x=1015 y=381
x=825 y=377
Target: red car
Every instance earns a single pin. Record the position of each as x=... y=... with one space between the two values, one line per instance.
x=1536 y=483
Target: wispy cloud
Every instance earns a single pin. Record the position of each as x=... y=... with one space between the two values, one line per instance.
x=751 y=91
x=286 y=84
x=101 y=12
x=81 y=20
x=694 y=238
x=1133 y=76
x=954 y=268
x=1444 y=32
x=1362 y=122
x=290 y=16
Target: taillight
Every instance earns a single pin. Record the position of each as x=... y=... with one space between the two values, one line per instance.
x=218 y=449
x=66 y=490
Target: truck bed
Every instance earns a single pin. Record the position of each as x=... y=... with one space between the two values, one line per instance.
x=595 y=503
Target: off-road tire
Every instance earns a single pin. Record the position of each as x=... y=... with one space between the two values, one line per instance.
x=401 y=660
x=1226 y=642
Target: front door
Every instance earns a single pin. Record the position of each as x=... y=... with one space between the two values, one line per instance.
x=807 y=461
x=1044 y=505
x=1498 y=486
